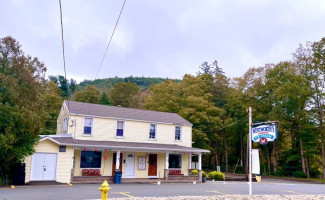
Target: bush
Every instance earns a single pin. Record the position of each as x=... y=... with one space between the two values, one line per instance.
x=281 y=172
x=217 y=176
x=299 y=174
x=204 y=174
x=195 y=172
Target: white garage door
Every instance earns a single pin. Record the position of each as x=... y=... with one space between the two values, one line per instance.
x=43 y=166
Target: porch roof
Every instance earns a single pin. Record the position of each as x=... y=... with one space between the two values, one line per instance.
x=129 y=146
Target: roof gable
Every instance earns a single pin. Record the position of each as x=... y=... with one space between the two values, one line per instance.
x=89 y=109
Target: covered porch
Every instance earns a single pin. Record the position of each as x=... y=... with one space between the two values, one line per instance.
x=95 y=161
x=95 y=165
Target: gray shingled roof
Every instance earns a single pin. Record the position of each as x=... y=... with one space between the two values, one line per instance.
x=90 y=109
x=69 y=141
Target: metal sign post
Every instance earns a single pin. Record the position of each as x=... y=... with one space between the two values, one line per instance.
x=250 y=151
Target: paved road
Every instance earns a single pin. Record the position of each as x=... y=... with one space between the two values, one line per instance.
x=90 y=191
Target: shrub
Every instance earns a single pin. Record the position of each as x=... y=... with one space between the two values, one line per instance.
x=195 y=172
x=217 y=176
x=299 y=174
x=281 y=172
x=204 y=174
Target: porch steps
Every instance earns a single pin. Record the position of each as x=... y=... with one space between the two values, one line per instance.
x=109 y=179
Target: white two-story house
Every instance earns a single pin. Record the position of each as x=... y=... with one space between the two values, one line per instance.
x=93 y=141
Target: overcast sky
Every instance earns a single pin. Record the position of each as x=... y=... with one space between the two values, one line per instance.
x=161 y=38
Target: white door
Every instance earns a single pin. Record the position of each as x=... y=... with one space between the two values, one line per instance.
x=43 y=166
x=129 y=165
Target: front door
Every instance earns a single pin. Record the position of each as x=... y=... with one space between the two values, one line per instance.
x=129 y=165
x=114 y=163
x=43 y=166
x=152 y=171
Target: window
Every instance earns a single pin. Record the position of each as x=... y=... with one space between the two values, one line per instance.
x=90 y=159
x=65 y=125
x=120 y=128
x=88 y=125
x=152 y=134
x=175 y=161
x=177 y=133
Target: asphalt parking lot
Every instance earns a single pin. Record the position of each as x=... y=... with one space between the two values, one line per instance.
x=90 y=191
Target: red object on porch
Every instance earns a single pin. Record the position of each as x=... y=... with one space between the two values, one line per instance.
x=97 y=172
x=85 y=172
x=176 y=172
x=91 y=172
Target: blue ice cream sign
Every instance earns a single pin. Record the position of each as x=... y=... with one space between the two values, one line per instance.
x=264 y=133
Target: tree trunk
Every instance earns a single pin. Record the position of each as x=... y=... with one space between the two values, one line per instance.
x=217 y=158
x=226 y=154
x=275 y=162
x=307 y=167
x=302 y=156
x=320 y=115
x=241 y=150
x=268 y=160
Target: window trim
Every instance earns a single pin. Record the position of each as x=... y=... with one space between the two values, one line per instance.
x=180 y=134
x=101 y=159
x=155 y=138
x=92 y=126
x=181 y=160
x=123 y=136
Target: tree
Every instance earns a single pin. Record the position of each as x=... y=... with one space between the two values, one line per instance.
x=67 y=87
x=53 y=99
x=211 y=69
x=123 y=94
x=23 y=107
x=90 y=95
x=104 y=99
x=192 y=100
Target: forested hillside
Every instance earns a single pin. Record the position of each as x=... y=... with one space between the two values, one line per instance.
x=105 y=84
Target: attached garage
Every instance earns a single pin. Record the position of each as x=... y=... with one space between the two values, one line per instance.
x=50 y=162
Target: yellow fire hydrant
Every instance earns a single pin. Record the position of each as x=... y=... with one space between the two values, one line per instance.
x=104 y=189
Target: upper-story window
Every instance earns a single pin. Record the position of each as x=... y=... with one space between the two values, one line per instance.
x=178 y=133
x=120 y=129
x=88 y=126
x=65 y=125
x=153 y=131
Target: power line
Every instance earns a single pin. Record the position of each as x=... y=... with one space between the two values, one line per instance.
x=110 y=40
x=229 y=125
x=65 y=72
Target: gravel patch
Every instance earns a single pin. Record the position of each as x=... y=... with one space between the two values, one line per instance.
x=233 y=197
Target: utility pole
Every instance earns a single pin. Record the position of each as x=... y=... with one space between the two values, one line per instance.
x=250 y=151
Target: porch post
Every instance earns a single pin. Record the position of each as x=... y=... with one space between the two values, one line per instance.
x=117 y=164
x=200 y=161
x=190 y=162
x=200 y=167
x=167 y=161
x=166 y=172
